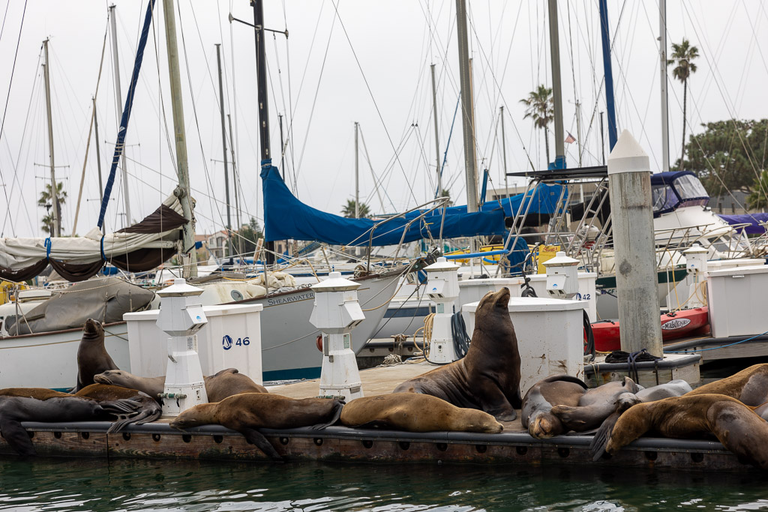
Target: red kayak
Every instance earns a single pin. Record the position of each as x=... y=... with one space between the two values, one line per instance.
x=673 y=326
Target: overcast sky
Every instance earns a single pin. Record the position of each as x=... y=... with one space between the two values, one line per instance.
x=346 y=62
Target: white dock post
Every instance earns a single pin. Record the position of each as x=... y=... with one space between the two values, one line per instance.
x=443 y=289
x=181 y=316
x=336 y=313
x=634 y=249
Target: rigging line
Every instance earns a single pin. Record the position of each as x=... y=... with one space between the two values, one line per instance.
x=15 y=165
x=376 y=181
x=370 y=92
x=290 y=102
x=317 y=91
x=13 y=69
x=723 y=94
x=304 y=75
x=194 y=111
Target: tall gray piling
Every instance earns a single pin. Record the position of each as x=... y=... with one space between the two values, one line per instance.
x=635 y=255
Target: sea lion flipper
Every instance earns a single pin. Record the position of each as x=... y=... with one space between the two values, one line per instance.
x=17 y=438
x=255 y=437
x=602 y=436
x=336 y=415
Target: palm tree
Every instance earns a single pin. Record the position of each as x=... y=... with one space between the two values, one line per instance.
x=348 y=210
x=682 y=56
x=46 y=201
x=758 y=199
x=540 y=108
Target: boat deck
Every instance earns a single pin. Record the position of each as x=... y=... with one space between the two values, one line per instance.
x=342 y=444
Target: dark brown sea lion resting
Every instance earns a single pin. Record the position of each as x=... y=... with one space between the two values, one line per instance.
x=595 y=405
x=693 y=416
x=488 y=377
x=218 y=386
x=44 y=405
x=92 y=356
x=248 y=412
x=414 y=412
x=148 y=409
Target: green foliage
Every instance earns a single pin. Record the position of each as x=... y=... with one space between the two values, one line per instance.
x=541 y=108
x=683 y=55
x=446 y=193
x=249 y=235
x=758 y=199
x=348 y=210
x=46 y=201
x=729 y=155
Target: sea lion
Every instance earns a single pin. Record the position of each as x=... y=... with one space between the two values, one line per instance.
x=248 y=412
x=92 y=356
x=148 y=409
x=536 y=413
x=39 y=404
x=415 y=412
x=749 y=386
x=691 y=416
x=218 y=386
x=595 y=405
x=488 y=377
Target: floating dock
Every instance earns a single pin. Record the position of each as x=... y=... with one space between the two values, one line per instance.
x=342 y=444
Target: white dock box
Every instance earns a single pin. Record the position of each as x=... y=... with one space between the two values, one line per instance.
x=472 y=290
x=738 y=301
x=550 y=336
x=230 y=339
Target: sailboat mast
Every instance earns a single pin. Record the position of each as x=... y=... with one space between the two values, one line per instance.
x=437 y=134
x=467 y=106
x=98 y=151
x=608 y=71
x=182 y=170
x=664 y=108
x=54 y=188
x=504 y=151
x=234 y=186
x=118 y=104
x=224 y=149
x=357 y=173
x=557 y=96
x=261 y=66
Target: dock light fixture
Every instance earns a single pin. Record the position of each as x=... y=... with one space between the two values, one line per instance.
x=336 y=313
x=562 y=276
x=181 y=317
x=443 y=289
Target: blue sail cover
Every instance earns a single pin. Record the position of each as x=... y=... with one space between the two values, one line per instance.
x=285 y=217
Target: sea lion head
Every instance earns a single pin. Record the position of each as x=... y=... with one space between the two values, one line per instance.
x=93 y=328
x=495 y=301
x=544 y=426
x=107 y=377
x=480 y=421
x=202 y=414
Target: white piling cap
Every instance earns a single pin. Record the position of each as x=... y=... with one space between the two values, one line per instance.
x=628 y=156
x=335 y=283
x=442 y=265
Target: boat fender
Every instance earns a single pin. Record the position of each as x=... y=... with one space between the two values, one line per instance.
x=319 y=342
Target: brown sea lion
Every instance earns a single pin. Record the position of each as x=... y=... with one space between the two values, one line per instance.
x=488 y=377
x=415 y=412
x=218 y=386
x=749 y=386
x=692 y=416
x=595 y=405
x=536 y=414
x=149 y=410
x=45 y=405
x=248 y=412
x=92 y=356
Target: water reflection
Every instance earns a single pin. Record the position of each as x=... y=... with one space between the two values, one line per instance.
x=81 y=484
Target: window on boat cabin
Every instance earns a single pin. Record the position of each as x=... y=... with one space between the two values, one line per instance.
x=689 y=187
x=664 y=198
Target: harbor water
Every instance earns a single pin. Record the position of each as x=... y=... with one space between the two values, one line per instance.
x=165 y=485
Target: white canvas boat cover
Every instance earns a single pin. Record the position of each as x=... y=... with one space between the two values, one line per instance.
x=78 y=258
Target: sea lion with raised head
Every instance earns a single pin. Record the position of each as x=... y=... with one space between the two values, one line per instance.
x=92 y=355
x=248 y=412
x=488 y=377
x=218 y=386
x=45 y=405
x=692 y=416
x=536 y=413
x=415 y=412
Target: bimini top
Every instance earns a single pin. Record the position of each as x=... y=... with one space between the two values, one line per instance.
x=671 y=190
